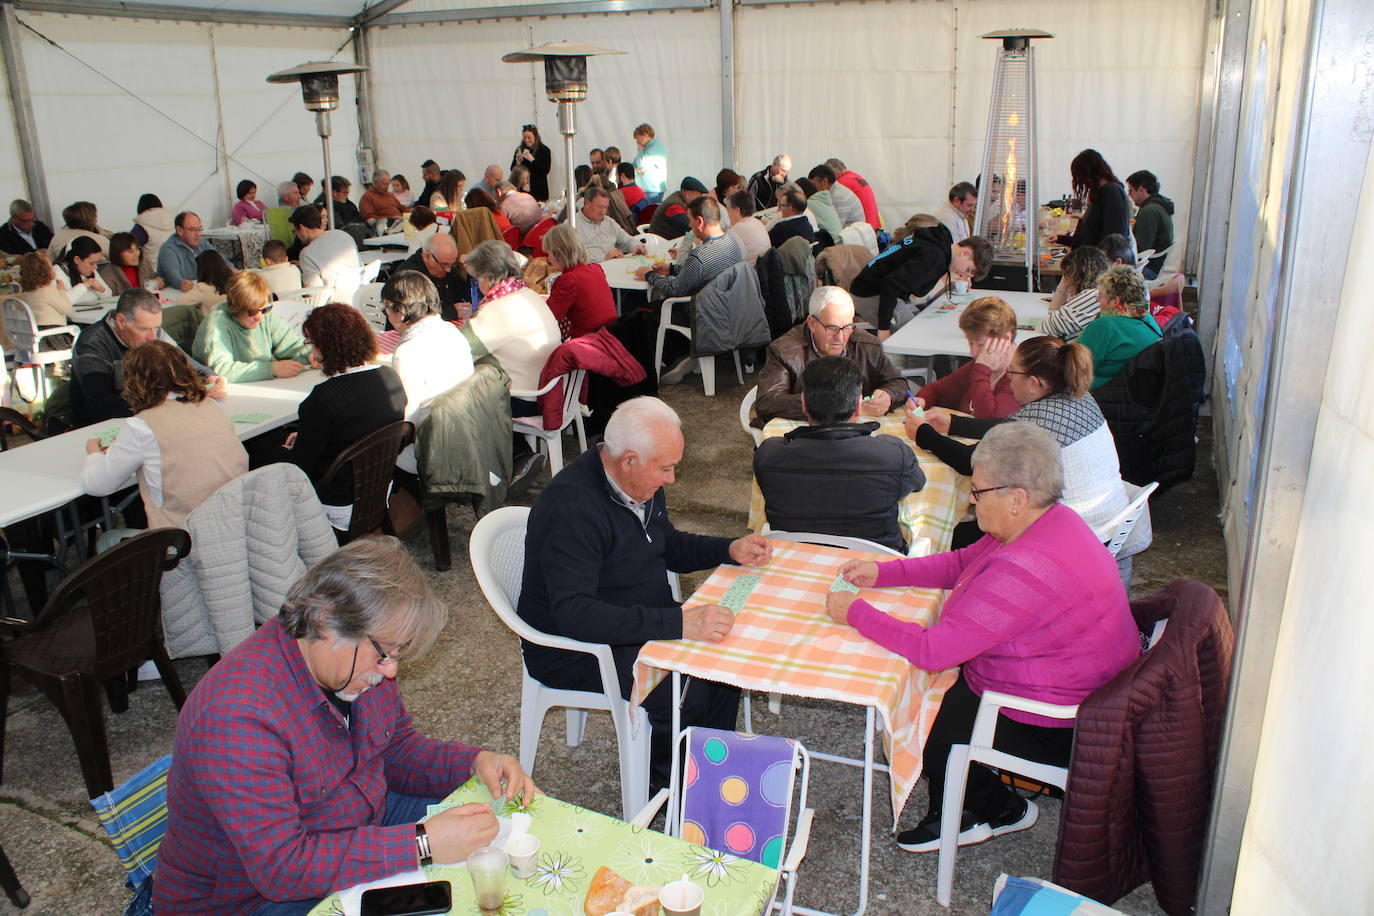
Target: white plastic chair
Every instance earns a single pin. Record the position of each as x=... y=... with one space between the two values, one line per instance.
x=705 y=364
x=860 y=234
x=746 y=410
x=368 y=300
x=680 y=808
x=532 y=428
x=315 y=295
x=651 y=240
x=497 y=551
x=25 y=340
x=980 y=750
x=293 y=311
x=1116 y=531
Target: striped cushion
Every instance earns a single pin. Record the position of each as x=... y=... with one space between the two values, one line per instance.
x=135 y=816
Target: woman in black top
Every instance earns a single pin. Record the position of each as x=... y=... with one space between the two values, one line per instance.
x=1108 y=209
x=535 y=156
x=356 y=398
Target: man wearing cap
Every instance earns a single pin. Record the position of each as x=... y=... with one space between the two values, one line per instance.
x=671 y=220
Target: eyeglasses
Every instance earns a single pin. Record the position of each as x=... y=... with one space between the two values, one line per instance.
x=382 y=656
x=976 y=494
x=837 y=328
x=262 y=311
x=1015 y=372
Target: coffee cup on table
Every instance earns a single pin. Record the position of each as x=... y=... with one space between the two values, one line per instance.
x=523 y=851
x=960 y=287
x=681 y=898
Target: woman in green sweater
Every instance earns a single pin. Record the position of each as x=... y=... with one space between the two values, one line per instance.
x=1123 y=327
x=243 y=341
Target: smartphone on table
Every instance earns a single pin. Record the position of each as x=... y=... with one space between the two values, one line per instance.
x=424 y=899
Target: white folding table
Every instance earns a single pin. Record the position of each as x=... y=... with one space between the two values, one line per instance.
x=935 y=331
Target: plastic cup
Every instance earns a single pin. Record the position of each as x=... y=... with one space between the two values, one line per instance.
x=960 y=287
x=681 y=898
x=523 y=851
x=487 y=866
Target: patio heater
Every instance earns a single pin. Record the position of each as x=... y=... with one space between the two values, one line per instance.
x=1008 y=198
x=320 y=89
x=565 y=82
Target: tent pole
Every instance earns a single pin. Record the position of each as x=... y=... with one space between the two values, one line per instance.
x=322 y=125
x=25 y=127
x=727 y=83
x=367 y=115
x=221 y=145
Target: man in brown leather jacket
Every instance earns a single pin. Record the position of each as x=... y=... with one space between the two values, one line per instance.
x=828 y=331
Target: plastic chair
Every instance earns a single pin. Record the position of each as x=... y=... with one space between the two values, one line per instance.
x=104 y=620
x=861 y=234
x=704 y=810
x=535 y=237
x=532 y=428
x=371 y=460
x=705 y=364
x=1116 y=532
x=646 y=217
x=25 y=341
x=293 y=312
x=650 y=240
x=368 y=300
x=497 y=550
x=746 y=411
x=833 y=540
x=512 y=236
x=9 y=882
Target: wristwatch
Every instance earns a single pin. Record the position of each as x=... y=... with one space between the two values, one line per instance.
x=422 y=846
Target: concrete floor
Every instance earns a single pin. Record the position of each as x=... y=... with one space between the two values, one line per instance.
x=468 y=688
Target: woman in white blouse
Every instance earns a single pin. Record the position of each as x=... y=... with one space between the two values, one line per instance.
x=179 y=444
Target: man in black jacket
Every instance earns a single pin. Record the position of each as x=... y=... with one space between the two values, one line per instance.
x=834 y=476
x=98 y=357
x=914 y=265
x=24 y=232
x=438 y=260
x=598 y=548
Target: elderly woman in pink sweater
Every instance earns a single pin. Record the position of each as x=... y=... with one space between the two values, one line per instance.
x=1035 y=609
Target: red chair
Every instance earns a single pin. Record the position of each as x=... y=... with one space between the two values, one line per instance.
x=646 y=216
x=512 y=236
x=535 y=237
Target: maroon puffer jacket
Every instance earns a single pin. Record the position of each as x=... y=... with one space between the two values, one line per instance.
x=1145 y=757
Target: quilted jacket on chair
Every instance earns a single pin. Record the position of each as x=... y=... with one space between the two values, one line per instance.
x=1145 y=757
x=250 y=541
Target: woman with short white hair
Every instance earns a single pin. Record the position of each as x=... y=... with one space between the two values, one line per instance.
x=1035 y=609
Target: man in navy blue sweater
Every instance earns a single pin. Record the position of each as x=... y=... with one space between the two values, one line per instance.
x=598 y=547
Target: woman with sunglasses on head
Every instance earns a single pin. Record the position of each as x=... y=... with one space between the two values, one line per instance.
x=534 y=156
x=357 y=397
x=1050 y=380
x=1035 y=609
x=242 y=340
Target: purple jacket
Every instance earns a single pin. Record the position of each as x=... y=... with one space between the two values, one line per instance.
x=272 y=797
x=1044 y=617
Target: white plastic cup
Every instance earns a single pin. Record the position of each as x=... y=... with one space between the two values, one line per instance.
x=487 y=866
x=960 y=287
x=681 y=898
x=523 y=851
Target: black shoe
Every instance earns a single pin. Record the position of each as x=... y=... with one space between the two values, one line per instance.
x=678 y=371
x=925 y=836
x=526 y=469
x=1020 y=814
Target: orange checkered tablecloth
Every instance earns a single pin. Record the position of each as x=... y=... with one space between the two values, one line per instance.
x=931 y=512
x=783 y=642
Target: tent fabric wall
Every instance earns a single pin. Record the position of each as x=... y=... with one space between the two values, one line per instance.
x=442 y=92
x=102 y=144
x=1307 y=841
x=12 y=183
x=900 y=91
x=1270 y=116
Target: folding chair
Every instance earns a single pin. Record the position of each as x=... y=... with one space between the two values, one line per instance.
x=736 y=797
x=532 y=428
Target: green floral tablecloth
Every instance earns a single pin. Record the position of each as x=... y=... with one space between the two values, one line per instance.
x=575 y=842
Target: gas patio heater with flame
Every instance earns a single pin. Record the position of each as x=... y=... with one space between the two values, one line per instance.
x=1008 y=199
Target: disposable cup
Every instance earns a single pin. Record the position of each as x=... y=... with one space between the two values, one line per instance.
x=523 y=851
x=487 y=867
x=681 y=898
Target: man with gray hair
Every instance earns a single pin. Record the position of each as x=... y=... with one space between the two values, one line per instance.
x=24 y=232
x=603 y=237
x=378 y=202
x=598 y=548
x=296 y=767
x=288 y=194
x=438 y=260
x=828 y=331
x=98 y=357
x=765 y=183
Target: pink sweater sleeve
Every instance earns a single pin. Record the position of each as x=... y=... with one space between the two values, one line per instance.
x=985 y=610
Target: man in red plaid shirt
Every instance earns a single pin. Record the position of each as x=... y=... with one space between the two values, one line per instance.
x=296 y=770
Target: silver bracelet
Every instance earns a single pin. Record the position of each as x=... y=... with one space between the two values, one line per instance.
x=422 y=846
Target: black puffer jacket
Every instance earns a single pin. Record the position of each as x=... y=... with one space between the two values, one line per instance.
x=1152 y=408
x=837 y=479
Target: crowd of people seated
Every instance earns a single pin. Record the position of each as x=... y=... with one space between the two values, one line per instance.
x=1019 y=421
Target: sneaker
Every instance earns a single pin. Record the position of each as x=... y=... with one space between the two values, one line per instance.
x=925 y=836
x=1021 y=815
x=678 y=371
x=525 y=470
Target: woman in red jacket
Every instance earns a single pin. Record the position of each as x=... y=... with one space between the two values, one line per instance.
x=581 y=299
x=981 y=388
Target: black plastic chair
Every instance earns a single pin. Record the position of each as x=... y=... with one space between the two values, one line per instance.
x=372 y=461
x=9 y=883
x=104 y=620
